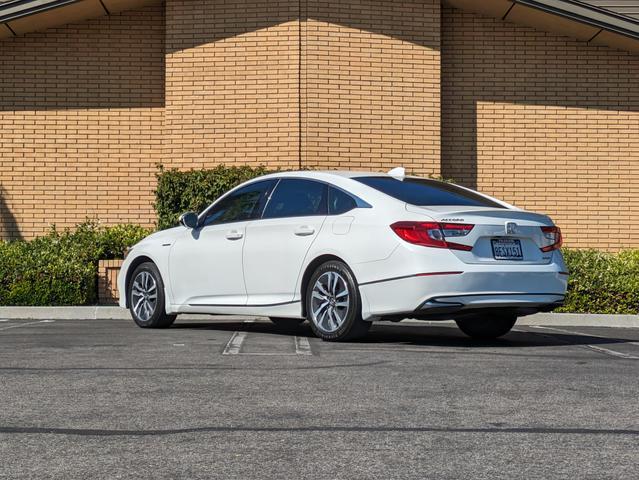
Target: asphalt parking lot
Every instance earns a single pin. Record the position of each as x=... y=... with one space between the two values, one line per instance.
x=226 y=398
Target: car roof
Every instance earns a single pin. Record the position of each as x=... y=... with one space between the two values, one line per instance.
x=349 y=174
x=324 y=174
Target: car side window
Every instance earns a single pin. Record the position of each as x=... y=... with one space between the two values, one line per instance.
x=297 y=198
x=243 y=204
x=339 y=201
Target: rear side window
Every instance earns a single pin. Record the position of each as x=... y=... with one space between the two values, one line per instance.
x=425 y=192
x=339 y=202
x=297 y=198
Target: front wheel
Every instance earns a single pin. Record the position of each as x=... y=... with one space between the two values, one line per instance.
x=486 y=327
x=146 y=298
x=333 y=303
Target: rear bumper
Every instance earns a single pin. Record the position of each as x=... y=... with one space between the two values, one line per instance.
x=519 y=303
x=459 y=293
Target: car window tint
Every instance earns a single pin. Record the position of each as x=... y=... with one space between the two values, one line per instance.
x=424 y=192
x=243 y=204
x=339 y=201
x=297 y=198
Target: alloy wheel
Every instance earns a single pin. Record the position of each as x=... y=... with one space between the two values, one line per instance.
x=144 y=295
x=330 y=302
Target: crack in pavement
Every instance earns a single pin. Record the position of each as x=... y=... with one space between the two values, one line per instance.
x=317 y=429
x=204 y=367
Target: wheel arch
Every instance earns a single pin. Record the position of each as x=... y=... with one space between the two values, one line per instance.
x=308 y=272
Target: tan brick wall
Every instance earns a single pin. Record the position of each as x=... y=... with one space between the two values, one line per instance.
x=232 y=83
x=371 y=84
x=86 y=110
x=108 y=271
x=545 y=122
x=81 y=110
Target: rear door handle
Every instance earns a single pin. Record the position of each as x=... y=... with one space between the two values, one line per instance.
x=234 y=235
x=304 y=231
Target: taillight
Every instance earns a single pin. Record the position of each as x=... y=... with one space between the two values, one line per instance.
x=433 y=234
x=551 y=238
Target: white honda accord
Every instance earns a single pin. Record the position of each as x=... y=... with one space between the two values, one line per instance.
x=344 y=249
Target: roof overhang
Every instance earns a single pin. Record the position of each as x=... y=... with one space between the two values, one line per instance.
x=566 y=17
x=22 y=16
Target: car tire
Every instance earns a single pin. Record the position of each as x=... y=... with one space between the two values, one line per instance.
x=487 y=327
x=333 y=303
x=286 y=322
x=146 y=298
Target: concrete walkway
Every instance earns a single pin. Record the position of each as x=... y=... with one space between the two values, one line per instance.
x=117 y=313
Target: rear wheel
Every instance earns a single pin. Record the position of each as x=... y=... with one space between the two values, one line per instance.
x=487 y=327
x=146 y=298
x=286 y=322
x=333 y=303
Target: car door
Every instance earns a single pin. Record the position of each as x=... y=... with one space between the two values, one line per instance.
x=277 y=244
x=205 y=263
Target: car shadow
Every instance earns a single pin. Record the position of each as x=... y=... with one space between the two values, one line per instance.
x=414 y=335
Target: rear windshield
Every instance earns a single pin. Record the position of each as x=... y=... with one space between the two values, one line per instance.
x=425 y=192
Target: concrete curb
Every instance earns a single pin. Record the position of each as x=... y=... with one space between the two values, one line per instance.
x=64 y=313
x=117 y=313
x=79 y=313
x=581 y=320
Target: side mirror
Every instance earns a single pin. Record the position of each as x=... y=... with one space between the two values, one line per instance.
x=189 y=219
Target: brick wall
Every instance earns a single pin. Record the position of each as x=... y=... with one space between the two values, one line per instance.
x=232 y=83
x=81 y=110
x=108 y=271
x=545 y=122
x=86 y=110
x=371 y=84
x=353 y=85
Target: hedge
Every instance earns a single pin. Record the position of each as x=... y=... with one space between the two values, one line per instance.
x=61 y=268
x=182 y=191
x=602 y=282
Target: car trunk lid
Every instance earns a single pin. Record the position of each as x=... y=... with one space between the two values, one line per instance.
x=498 y=236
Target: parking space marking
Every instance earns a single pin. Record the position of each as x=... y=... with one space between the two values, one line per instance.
x=612 y=352
x=234 y=344
x=25 y=324
x=302 y=346
x=595 y=348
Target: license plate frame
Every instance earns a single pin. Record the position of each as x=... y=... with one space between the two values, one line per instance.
x=507 y=249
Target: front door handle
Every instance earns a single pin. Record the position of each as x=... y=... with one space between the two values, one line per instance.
x=304 y=231
x=234 y=235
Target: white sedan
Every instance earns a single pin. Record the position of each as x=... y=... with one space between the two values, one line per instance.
x=344 y=249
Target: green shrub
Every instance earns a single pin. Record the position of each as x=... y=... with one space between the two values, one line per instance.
x=113 y=241
x=602 y=282
x=181 y=191
x=61 y=267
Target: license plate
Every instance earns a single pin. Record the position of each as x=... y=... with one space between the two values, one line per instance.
x=507 y=249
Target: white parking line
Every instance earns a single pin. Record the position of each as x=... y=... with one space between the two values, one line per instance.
x=25 y=324
x=596 y=348
x=612 y=352
x=234 y=345
x=302 y=346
